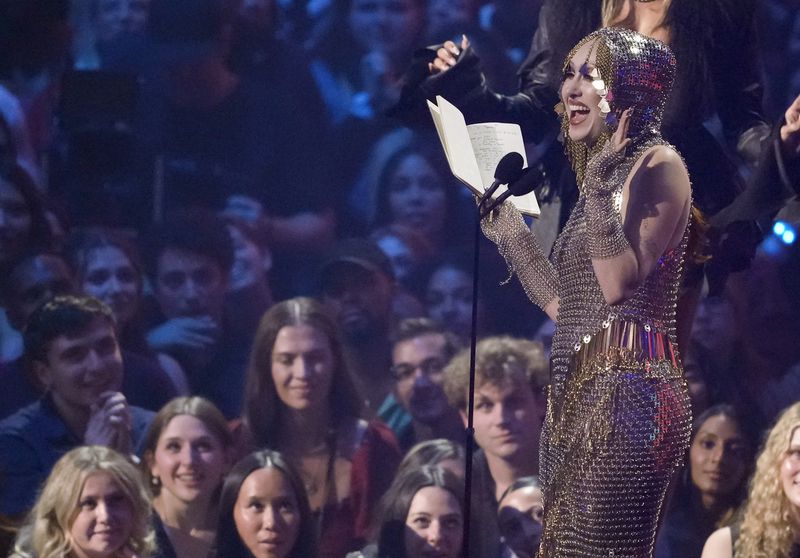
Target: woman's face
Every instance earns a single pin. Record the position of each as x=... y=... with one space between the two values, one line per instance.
x=390 y=27
x=434 y=524
x=790 y=470
x=417 y=196
x=111 y=277
x=267 y=514
x=580 y=97
x=520 y=516
x=189 y=461
x=15 y=221
x=104 y=519
x=249 y=262
x=117 y=17
x=713 y=327
x=449 y=300
x=302 y=366
x=718 y=458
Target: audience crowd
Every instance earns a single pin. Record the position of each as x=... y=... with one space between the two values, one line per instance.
x=236 y=297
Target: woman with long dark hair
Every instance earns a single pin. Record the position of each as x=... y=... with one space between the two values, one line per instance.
x=422 y=514
x=770 y=523
x=264 y=511
x=713 y=484
x=300 y=400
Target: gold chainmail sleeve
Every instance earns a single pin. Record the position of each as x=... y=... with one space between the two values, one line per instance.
x=523 y=254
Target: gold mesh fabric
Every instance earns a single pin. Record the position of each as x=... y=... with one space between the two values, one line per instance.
x=522 y=252
x=618 y=418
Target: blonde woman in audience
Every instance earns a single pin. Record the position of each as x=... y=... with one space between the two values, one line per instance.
x=187 y=452
x=770 y=526
x=93 y=504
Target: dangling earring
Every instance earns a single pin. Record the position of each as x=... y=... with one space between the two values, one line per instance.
x=155 y=481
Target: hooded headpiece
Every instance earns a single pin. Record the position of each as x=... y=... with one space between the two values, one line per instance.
x=631 y=70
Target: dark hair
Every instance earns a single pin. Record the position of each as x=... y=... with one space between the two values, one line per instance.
x=33 y=34
x=411 y=328
x=63 y=315
x=333 y=42
x=228 y=543
x=39 y=237
x=197 y=231
x=394 y=506
x=80 y=248
x=685 y=488
x=198 y=407
x=83 y=242
x=432 y=154
x=262 y=406
x=459 y=259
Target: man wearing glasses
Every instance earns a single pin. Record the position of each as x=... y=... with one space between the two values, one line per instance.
x=418 y=410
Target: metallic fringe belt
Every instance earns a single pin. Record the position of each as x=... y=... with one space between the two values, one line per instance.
x=618 y=349
x=635 y=342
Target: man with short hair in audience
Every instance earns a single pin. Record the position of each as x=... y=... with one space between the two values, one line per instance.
x=189 y=258
x=357 y=286
x=417 y=409
x=31 y=280
x=509 y=411
x=71 y=346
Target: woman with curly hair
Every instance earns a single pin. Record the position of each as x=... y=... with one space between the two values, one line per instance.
x=770 y=526
x=93 y=504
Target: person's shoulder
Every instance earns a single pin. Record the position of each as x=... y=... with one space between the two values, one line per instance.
x=141 y=415
x=663 y=154
x=660 y=166
x=23 y=421
x=719 y=544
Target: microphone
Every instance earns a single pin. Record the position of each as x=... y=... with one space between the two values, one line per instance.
x=531 y=177
x=508 y=169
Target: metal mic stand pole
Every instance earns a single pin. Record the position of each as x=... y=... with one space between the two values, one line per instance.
x=470 y=430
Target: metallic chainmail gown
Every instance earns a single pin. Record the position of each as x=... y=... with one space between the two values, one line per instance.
x=618 y=421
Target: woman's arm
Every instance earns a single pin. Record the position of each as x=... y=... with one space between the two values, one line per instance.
x=520 y=248
x=625 y=245
x=719 y=544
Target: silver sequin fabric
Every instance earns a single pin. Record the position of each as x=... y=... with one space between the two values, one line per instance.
x=618 y=420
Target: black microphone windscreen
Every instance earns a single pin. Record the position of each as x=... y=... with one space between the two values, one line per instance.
x=531 y=177
x=509 y=168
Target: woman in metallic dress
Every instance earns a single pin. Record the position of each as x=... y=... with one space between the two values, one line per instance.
x=618 y=416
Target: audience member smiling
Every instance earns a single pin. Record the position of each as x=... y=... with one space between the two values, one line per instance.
x=187 y=451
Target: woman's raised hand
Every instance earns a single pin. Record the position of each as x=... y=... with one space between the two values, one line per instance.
x=447 y=56
x=600 y=166
x=790 y=132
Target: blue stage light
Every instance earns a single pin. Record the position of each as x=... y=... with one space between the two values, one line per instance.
x=788 y=236
x=779 y=227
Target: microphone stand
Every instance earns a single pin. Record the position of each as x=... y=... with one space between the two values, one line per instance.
x=521 y=186
x=470 y=430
